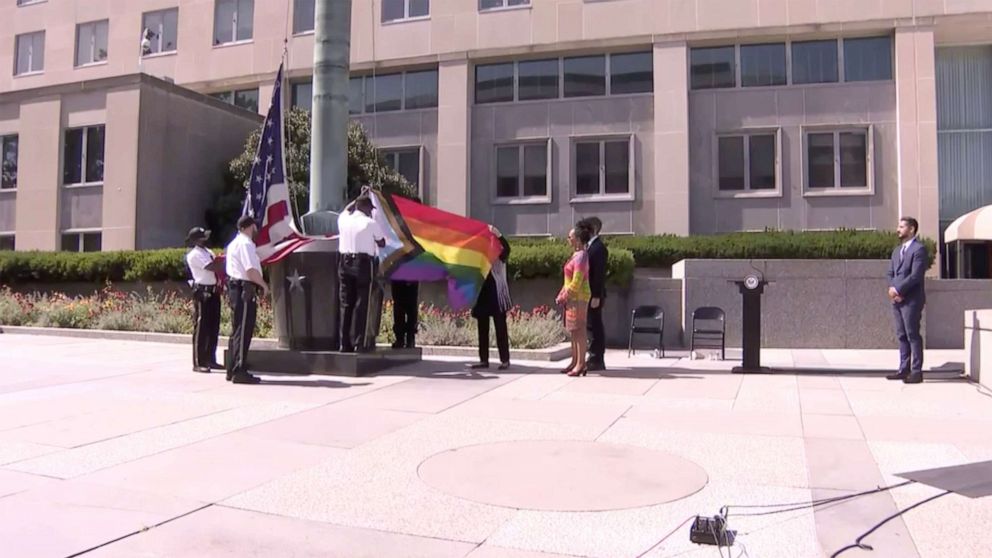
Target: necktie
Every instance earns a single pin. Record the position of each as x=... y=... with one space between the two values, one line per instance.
x=902 y=253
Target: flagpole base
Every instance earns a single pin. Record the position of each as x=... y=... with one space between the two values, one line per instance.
x=320 y=223
x=305 y=298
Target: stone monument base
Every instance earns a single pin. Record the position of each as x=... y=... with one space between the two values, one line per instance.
x=331 y=363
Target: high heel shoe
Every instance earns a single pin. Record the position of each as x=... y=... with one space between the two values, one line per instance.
x=579 y=372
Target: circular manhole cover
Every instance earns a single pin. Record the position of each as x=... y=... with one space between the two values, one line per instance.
x=563 y=475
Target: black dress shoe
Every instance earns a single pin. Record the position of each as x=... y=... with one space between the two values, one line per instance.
x=915 y=378
x=201 y=369
x=347 y=349
x=503 y=365
x=398 y=344
x=216 y=366
x=477 y=366
x=596 y=366
x=246 y=378
x=899 y=376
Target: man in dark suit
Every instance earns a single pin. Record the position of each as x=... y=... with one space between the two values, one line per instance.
x=908 y=295
x=598 y=254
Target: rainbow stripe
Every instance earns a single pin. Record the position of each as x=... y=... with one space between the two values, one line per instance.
x=427 y=244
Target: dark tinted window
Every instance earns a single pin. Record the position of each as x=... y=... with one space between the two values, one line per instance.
x=631 y=73
x=494 y=83
x=537 y=79
x=761 y=152
x=731 y=163
x=814 y=62
x=421 y=89
x=587 y=168
x=585 y=76
x=712 y=67
x=507 y=172
x=853 y=159
x=763 y=65
x=868 y=59
x=820 y=160
x=384 y=93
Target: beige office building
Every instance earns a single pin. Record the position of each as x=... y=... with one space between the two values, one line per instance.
x=660 y=116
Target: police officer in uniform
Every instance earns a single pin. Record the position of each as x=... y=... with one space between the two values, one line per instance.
x=359 y=238
x=206 y=301
x=245 y=282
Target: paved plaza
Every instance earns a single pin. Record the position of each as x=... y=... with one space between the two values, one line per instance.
x=117 y=449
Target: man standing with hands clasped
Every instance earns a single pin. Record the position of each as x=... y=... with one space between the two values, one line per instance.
x=598 y=254
x=206 y=300
x=908 y=296
x=245 y=273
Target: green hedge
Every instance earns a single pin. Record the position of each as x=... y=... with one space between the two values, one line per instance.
x=530 y=259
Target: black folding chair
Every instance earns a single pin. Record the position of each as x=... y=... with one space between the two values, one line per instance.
x=712 y=332
x=648 y=320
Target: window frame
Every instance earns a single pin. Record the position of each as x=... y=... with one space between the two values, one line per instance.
x=93 y=46
x=81 y=234
x=84 y=156
x=235 y=41
x=312 y=30
x=790 y=74
x=4 y=138
x=12 y=235
x=520 y=198
x=504 y=8
x=602 y=196
x=396 y=150
x=608 y=76
x=406 y=14
x=748 y=191
x=160 y=32
x=234 y=95
x=31 y=57
x=837 y=189
x=403 y=108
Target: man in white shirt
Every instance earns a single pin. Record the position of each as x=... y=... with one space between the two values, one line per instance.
x=245 y=280
x=359 y=239
x=206 y=301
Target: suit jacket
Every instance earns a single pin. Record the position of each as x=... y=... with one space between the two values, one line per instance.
x=906 y=273
x=598 y=254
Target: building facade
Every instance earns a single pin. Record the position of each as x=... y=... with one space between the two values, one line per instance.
x=659 y=116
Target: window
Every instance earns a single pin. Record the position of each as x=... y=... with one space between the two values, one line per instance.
x=81 y=241
x=30 y=49
x=712 y=68
x=356 y=97
x=302 y=95
x=91 y=42
x=603 y=167
x=522 y=170
x=631 y=73
x=83 y=160
x=8 y=162
x=233 y=21
x=747 y=162
x=585 y=76
x=868 y=59
x=160 y=30
x=536 y=79
x=839 y=159
x=406 y=162
x=420 y=89
x=497 y=4
x=814 y=62
x=384 y=93
x=494 y=83
x=242 y=98
x=763 y=65
x=6 y=242
x=399 y=10
x=303 y=16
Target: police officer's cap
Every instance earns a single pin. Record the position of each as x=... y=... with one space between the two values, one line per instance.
x=197 y=233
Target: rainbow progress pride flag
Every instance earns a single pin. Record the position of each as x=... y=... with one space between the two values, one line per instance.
x=425 y=244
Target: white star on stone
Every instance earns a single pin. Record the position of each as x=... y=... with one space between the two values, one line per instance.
x=296 y=280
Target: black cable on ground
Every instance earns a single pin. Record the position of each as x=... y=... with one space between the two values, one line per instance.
x=795 y=506
x=859 y=544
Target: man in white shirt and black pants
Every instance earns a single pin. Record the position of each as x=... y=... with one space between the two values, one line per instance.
x=358 y=241
x=206 y=301
x=245 y=280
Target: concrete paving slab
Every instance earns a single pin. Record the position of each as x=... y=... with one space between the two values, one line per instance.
x=824 y=402
x=335 y=425
x=831 y=426
x=12 y=482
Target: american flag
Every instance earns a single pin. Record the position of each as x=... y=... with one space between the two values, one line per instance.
x=267 y=197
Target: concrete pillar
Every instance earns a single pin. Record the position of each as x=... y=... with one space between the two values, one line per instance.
x=120 y=177
x=669 y=195
x=454 y=122
x=916 y=101
x=38 y=168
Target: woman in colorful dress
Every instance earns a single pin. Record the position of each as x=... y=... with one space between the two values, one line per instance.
x=575 y=296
